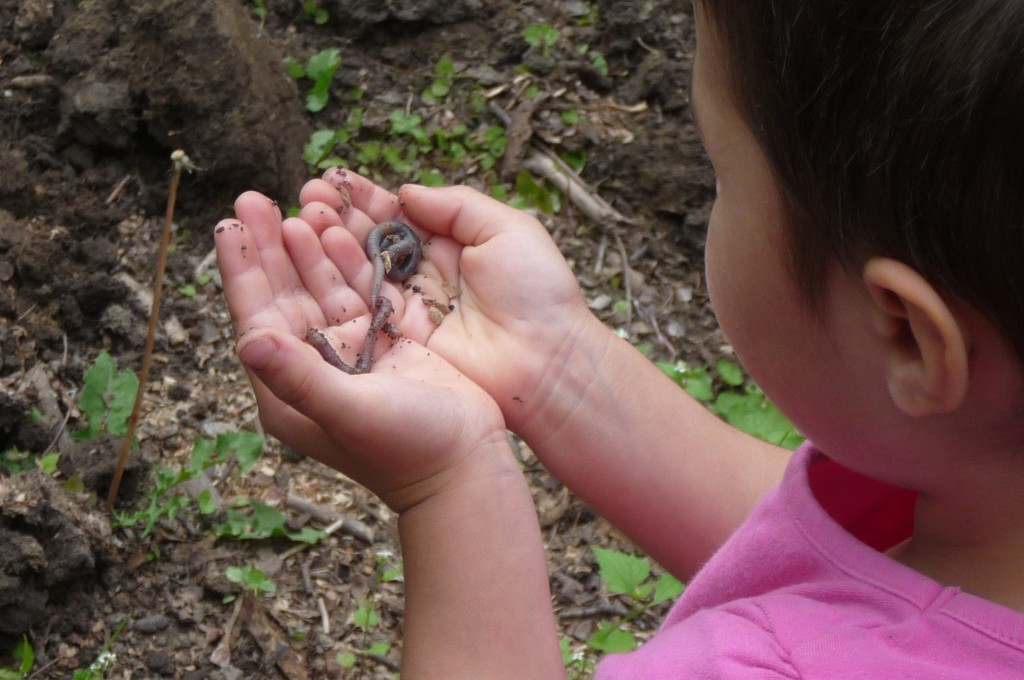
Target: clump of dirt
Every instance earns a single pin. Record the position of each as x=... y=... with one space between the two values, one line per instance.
x=90 y=123
x=51 y=544
x=122 y=84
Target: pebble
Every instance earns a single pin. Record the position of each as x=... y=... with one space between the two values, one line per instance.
x=152 y=624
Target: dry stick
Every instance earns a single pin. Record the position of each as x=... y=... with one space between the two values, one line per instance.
x=180 y=161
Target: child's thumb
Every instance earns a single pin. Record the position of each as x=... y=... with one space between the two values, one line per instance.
x=292 y=370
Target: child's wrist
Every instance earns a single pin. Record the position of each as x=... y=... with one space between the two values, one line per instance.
x=486 y=461
x=563 y=389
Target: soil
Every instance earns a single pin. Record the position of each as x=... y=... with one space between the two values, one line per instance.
x=95 y=97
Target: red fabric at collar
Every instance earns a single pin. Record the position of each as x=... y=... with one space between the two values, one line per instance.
x=876 y=513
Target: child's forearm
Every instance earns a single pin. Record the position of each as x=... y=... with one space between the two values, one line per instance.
x=478 y=603
x=643 y=453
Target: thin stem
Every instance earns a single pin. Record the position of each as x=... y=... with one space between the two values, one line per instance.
x=180 y=161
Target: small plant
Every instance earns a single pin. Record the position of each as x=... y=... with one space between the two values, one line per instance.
x=259 y=9
x=106 y=398
x=103 y=662
x=529 y=193
x=366 y=617
x=597 y=59
x=14 y=461
x=312 y=11
x=542 y=37
x=444 y=78
x=741 y=403
x=244 y=446
x=261 y=522
x=255 y=582
x=24 y=656
x=320 y=68
x=628 y=576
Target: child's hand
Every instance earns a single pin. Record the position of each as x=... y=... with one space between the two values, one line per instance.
x=406 y=429
x=518 y=309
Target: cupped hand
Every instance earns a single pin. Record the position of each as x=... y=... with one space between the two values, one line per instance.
x=517 y=309
x=401 y=430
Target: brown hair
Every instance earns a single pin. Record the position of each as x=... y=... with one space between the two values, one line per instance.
x=894 y=128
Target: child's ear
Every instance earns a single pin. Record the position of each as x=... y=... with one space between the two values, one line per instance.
x=925 y=348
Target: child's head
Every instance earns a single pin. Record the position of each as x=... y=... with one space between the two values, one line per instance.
x=893 y=128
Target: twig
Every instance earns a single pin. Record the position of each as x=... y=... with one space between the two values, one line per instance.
x=117 y=189
x=594 y=612
x=325 y=619
x=625 y=278
x=302 y=546
x=26 y=313
x=221 y=656
x=382 y=660
x=60 y=431
x=549 y=165
x=350 y=526
x=181 y=161
x=575 y=189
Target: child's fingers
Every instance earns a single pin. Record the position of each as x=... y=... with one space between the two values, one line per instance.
x=331 y=194
x=251 y=298
x=330 y=287
x=463 y=213
x=262 y=228
x=297 y=375
x=381 y=205
x=319 y=215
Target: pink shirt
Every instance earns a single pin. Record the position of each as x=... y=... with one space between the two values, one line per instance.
x=804 y=592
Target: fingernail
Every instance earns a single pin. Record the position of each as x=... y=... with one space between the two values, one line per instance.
x=258 y=352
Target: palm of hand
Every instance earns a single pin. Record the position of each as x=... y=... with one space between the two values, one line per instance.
x=373 y=427
x=519 y=303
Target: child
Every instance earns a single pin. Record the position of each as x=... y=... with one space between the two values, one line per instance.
x=865 y=258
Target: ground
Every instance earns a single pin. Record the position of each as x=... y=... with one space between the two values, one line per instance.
x=97 y=94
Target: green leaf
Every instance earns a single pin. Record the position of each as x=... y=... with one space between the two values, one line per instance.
x=316 y=98
x=346 y=659
x=378 y=649
x=206 y=503
x=445 y=66
x=391 y=574
x=697 y=383
x=74 y=484
x=123 y=391
x=667 y=588
x=294 y=68
x=730 y=373
x=621 y=572
x=323 y=64
x=188 y=290
x=755 y=415
x=611 y=639
x=202 y=454
x=365 y=617
x=7 y=674
x=319 y=145
x=320 y=69
x=244 y=445
x=404 y=124
x=251 y=578
x=267 y=520
x=307 y=535
x=24 y=655
x=91 y=399
x=432 y=178
x=48 y=463
x=537 y=195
